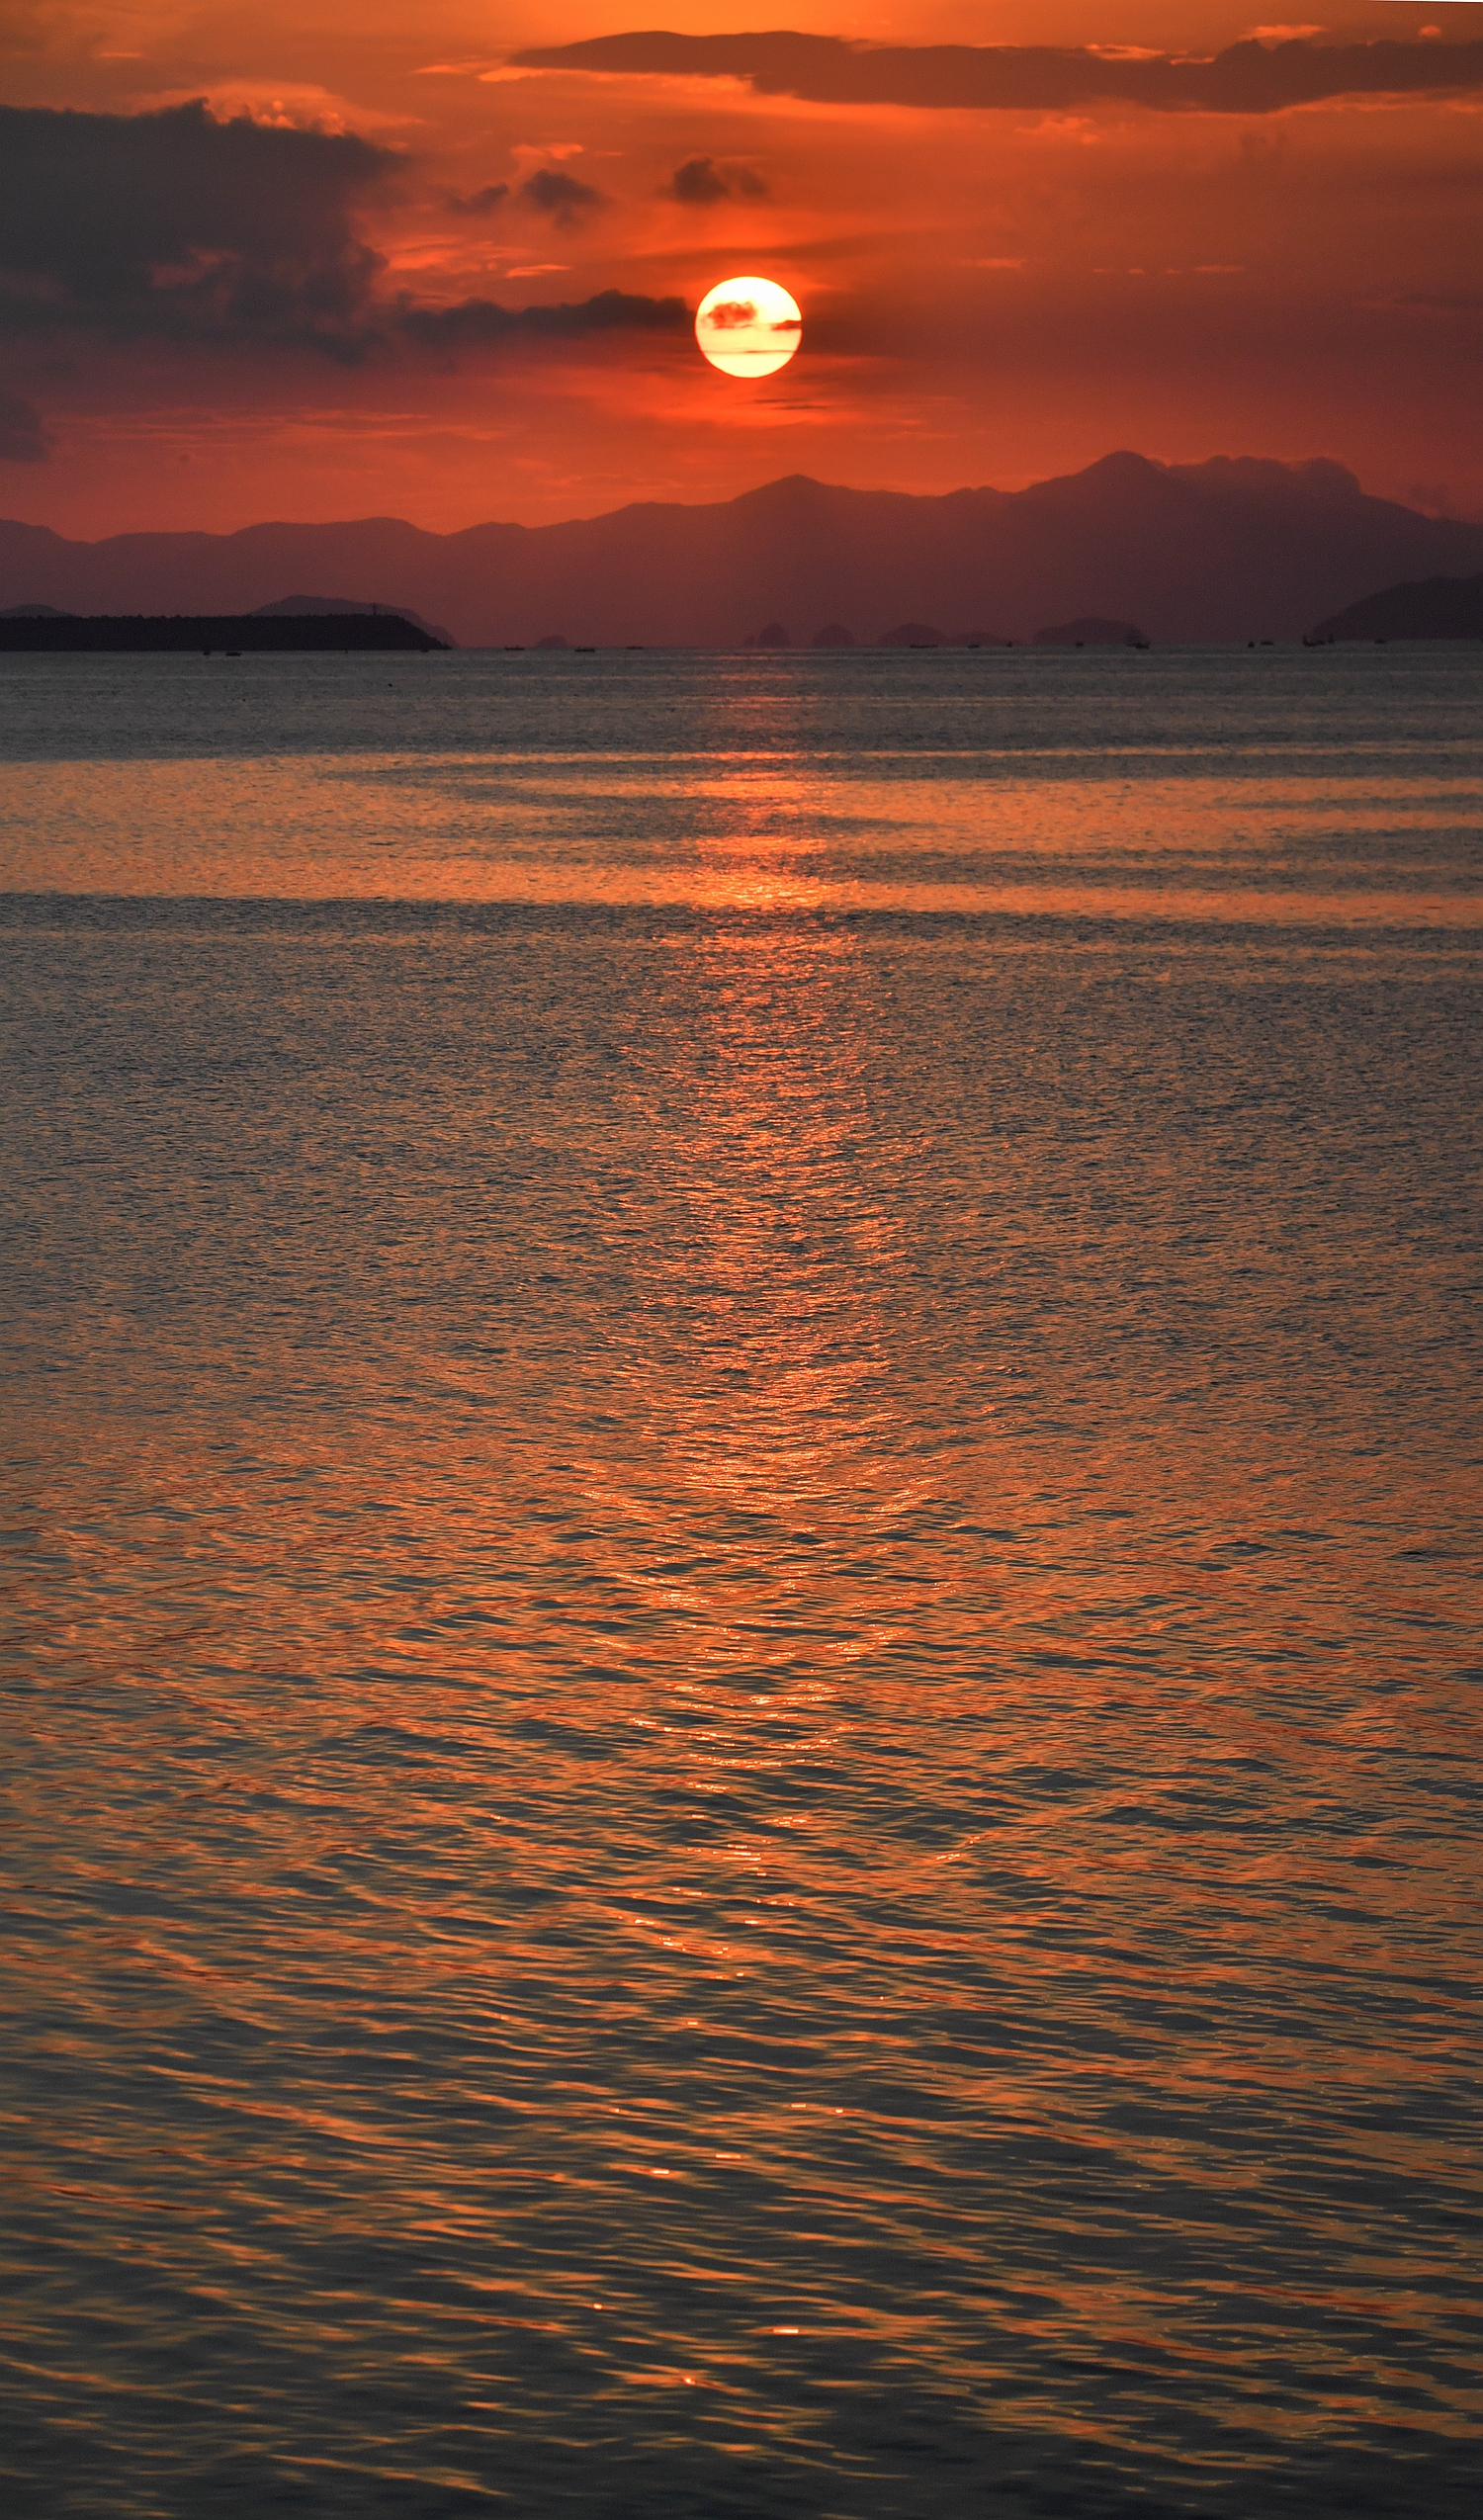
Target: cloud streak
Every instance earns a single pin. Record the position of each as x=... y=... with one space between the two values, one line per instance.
x=1246 y=78
x=477 y=205
x=22 y=437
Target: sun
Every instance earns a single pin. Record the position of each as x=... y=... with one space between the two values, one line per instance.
x=748 y=327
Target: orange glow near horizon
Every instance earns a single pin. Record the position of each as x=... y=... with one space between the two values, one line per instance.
x=993 y=295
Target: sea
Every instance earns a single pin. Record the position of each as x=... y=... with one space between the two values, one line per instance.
x=741 y=1549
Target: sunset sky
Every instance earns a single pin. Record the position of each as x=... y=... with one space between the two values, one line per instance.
x=327 y=258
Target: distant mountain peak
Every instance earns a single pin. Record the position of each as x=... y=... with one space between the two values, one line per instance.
x=1121 y=466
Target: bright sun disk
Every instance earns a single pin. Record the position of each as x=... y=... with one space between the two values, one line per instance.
x=748 y=327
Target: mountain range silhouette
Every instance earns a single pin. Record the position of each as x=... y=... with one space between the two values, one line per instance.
x=1233 y=549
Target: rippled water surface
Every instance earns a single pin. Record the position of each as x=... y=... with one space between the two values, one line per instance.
x=739 y=1547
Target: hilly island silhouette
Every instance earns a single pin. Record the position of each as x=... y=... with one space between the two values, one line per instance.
x=1437 y=608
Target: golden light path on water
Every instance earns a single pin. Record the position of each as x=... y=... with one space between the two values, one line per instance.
x=742 y=1618
x=792 y=833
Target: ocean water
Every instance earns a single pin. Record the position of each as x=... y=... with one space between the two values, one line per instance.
x=740 y=1542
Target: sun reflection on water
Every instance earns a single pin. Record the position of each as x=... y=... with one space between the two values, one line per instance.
x=739 y=1644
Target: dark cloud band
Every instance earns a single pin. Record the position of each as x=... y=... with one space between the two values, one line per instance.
x=1247 y=78
x=478 y=322
x=173 y=226
x=178 y=224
